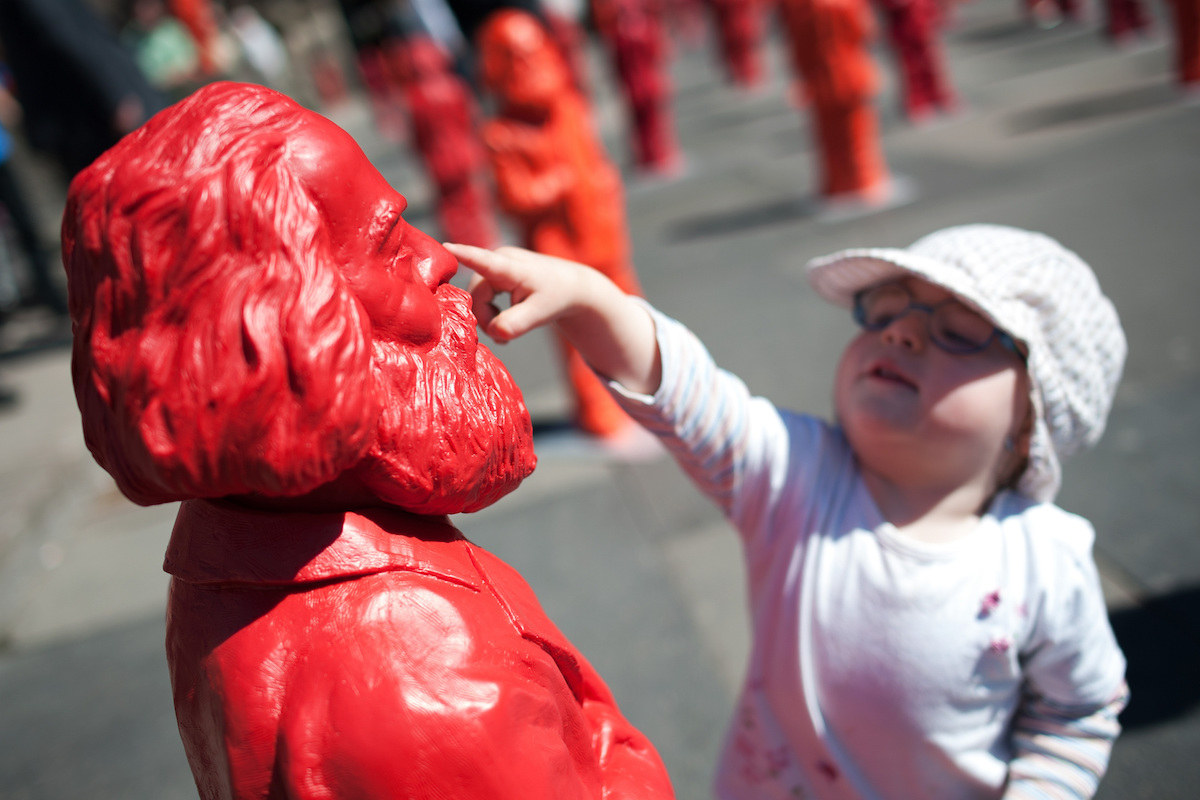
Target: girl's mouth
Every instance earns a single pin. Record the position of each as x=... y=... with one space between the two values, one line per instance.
x=888 y=373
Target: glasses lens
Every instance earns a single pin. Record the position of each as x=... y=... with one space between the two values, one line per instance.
x=958 y=329
x=879 y=306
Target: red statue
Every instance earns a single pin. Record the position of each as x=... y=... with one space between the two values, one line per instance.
x=1187 y=45
x=1049 y=13
x=740 y=34
x=633 y=32
x=198 y=17
x=687 y=21
x=1126 y=21
x=912 y=27
x=553 y=177
x=829 y=48
x=385 y=92
x=443 y=116
x=259 y=333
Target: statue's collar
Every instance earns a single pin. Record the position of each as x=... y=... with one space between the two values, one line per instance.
x=216 y=542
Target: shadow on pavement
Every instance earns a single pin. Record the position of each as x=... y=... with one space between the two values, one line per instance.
x=741 y=220
x=1111 y=104
x=92 y=718
x=999 y=32
x=1161 y=640
x=30 y=333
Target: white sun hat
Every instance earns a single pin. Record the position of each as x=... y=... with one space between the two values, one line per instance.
x=1041 y=294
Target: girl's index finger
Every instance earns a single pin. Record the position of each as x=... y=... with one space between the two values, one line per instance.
x=492 y=266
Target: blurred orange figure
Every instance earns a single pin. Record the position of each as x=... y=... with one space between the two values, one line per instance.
x=633 y=32
x=443 y=117
x=197 y=16
x=553 y=176
x=829 y=41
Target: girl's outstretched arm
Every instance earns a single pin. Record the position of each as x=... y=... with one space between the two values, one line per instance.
x=613 y=332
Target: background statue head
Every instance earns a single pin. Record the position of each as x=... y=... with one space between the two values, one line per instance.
x=519 y=62
x=421 y=58
x=253 y=317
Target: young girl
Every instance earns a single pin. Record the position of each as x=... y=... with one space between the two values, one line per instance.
x=927 y=624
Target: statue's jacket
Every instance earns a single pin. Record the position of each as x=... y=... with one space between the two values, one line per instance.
x=380 y=655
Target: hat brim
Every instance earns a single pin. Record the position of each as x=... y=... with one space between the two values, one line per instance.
x=842 y=275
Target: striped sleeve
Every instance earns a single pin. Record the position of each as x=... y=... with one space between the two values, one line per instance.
x=707 y=419
x=1060 y=754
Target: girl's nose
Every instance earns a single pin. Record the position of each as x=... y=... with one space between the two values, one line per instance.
x=909 y=331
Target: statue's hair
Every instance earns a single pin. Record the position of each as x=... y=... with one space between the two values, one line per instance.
x=217 y=350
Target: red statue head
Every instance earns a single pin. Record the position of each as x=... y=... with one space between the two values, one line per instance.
x=519 y=62
x=253 y=317
x=420 y=57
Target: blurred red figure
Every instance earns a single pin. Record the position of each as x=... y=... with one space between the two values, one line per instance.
x=740 y=25
x=1126 y=20
x=1048 y=13
x=828 y=41
x=553 y=176
x=260 y=334
x=385 y=91
x=1187 y=45
x=197 y=16
x=686 y=20
x=912 y=27
x=445 y=132
x=633 y=32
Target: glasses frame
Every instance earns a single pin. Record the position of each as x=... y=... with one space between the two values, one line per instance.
x=859 y=313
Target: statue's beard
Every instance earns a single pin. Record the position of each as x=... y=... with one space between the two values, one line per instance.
x=454 y=434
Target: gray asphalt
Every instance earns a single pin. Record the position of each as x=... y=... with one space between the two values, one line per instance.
x=1060 y=133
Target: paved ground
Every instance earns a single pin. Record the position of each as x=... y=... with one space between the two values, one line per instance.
x=1062 y=133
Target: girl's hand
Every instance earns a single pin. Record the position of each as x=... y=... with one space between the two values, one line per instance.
x=541 y=288
x=613 y=333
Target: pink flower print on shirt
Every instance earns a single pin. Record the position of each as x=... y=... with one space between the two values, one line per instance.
x=760 y=765
x=991 y=601
x=1001 y=644
x=777 y=761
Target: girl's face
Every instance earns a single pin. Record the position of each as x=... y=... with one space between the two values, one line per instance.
x=910 y=409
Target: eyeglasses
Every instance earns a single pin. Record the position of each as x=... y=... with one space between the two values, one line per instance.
x=952 y=326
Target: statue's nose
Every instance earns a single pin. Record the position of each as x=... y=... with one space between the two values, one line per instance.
x=433 y=262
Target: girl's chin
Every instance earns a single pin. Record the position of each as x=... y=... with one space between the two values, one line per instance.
x=875 y=416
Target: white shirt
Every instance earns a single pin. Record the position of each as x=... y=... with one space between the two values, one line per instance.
x=880 y=667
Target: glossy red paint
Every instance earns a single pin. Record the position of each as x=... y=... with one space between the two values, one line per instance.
x=259 y=333
x=377 y=655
